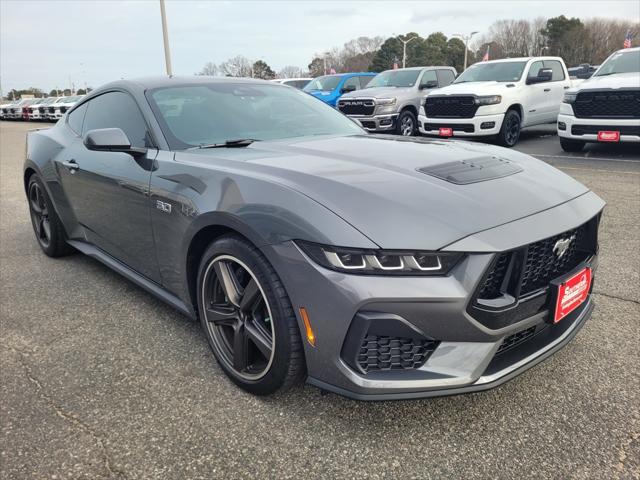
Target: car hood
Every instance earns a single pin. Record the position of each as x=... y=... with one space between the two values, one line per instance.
x=379 y=92
x=474 y=88
x=374 y=183
x=618 y=80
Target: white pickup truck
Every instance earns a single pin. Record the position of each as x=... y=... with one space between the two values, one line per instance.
x=606 y=107
x=497 y=99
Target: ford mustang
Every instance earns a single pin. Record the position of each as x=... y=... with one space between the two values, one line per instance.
x=377 y=267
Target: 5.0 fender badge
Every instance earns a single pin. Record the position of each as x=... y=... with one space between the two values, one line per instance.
x=165 y=207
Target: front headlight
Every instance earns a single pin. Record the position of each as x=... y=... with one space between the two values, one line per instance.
x=488 y=100
x=569 y=97
x=380 y=262
x=386 y=101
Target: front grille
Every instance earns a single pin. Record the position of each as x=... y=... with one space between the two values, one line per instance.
x=51 y=109
x=462 y=106
x=460 y=127
x=492 y=286
x=516 y=284
x=63 y=109
x=394 y=353
x=368 y=124
x=594 y=129
x=357 y=107
x=41 y=110
x=607 y=104
x=516 y=339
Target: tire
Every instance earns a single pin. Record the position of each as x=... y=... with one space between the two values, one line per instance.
x=406 y=125
x=510 y=129
x=269 y=321
x=569 y=145
x=47 y=226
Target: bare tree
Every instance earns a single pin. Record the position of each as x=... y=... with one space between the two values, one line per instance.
x=238 y=66
x=290 y=71
x=209 y=69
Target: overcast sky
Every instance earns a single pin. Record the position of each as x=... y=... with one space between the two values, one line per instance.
x=46 y=43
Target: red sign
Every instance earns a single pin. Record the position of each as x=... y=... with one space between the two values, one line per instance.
x=446 y=132
x=607 y=136
x=571 y=293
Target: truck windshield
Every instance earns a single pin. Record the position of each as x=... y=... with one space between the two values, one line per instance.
x=620 y=62
x=492 y=72
x=326 y=83
x=395 y=78
x=193 y=115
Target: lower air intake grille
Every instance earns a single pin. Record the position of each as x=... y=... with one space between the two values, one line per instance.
x=516 y=339
x=394 y=353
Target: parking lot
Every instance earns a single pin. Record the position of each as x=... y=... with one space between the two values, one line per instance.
x=101 y=380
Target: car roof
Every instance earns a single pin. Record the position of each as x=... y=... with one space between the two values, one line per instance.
x=420 y=68
x=520 y=59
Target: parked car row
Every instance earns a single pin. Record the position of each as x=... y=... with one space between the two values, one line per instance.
x=496 y=99
x=48 y=109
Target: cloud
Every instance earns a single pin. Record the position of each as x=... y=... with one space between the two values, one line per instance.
x=433 y=15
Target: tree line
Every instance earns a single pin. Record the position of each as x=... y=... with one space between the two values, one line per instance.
x=576 y=41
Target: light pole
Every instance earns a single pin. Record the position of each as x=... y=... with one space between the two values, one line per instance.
x=466 y=42
x=165 y=37
x=404 y=49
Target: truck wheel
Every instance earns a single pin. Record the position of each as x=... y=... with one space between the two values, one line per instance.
x=569 y=145
x=510 y=130
x=406 y=124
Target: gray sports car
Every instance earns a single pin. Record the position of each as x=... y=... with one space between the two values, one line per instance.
x=372 y=266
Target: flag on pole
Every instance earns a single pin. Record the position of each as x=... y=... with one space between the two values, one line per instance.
x=332 y=71
x=395 y=63
x=486 y=55
x=627 y=40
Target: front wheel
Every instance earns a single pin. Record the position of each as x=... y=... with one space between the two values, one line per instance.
x=406 y=124
x=248 y=318
x=569 y=145
x=510 y=130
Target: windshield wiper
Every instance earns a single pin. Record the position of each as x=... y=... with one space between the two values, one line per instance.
x=237 y=143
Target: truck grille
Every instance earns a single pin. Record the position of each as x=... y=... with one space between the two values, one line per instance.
x=607 y=104
x=594 y=129
x=51 y=109
x=394 y=353
x=357 y=107
x=450 y=106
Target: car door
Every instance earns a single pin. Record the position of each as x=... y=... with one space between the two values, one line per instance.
x=535 y=100
x=109 y=191
x=556 y=86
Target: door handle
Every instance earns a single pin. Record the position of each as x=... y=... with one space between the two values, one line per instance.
x=71 y=165
x=547 y=89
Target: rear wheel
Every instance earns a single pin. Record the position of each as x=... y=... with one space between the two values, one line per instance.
x=406 y=124
x=569 y=145
x=248 y=318
x=510 y=130
x=47 y=227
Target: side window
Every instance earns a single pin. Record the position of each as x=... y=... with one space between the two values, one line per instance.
x=445 y=77
x=535 y=68
x=428 y=76
x=76 y=118
x=364 y=80
x=556 y=67
x=351 y=82
x=117 y=110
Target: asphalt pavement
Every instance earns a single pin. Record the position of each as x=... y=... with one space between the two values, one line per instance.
x=99 y=379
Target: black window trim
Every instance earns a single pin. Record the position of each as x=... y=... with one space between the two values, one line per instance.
x=152 y=137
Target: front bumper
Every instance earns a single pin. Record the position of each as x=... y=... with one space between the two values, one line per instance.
x=478 y=126
x=377 y=123
x=468 y=356
x=586 y=129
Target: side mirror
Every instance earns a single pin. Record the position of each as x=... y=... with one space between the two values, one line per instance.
x=429 y=84
x=348 y=88
x=111 y=140
x=544 y=75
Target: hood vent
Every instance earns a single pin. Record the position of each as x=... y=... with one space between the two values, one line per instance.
x=472 y=171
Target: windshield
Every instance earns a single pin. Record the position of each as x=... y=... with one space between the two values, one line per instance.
x=194 y=115
x=496 y=72
x=620 y=62
x=328 y=82
x=395 y=78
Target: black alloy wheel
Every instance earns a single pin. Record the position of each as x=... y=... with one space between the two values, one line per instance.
x=510 y=130
x=39 y=215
